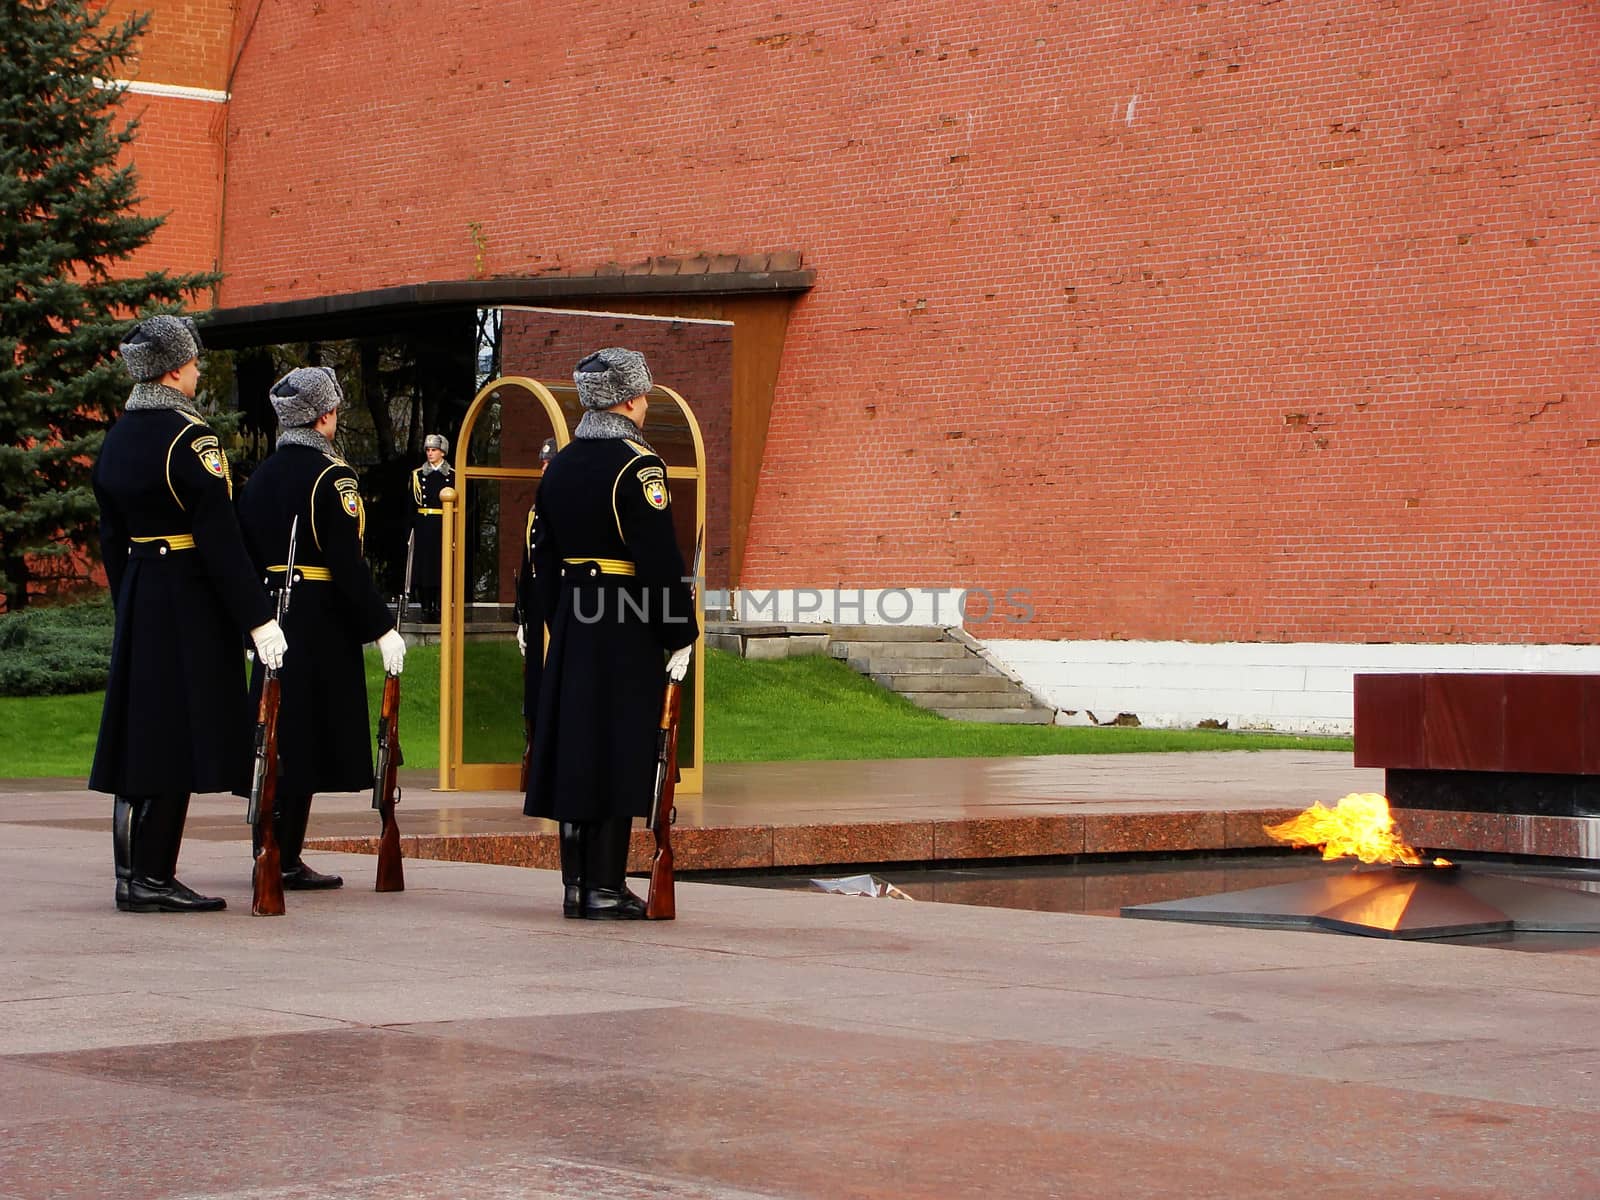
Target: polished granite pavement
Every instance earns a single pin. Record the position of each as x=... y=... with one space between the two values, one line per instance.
x=463 y=1040
x=766 y=816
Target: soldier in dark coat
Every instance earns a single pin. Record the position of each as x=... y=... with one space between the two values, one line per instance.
x=427 y=524
x=176 y=717
x=612 y=586
x=324 y=738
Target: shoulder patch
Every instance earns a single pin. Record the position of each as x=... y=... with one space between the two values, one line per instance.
x=654 y=483
x=349 y=497
x=213 y=458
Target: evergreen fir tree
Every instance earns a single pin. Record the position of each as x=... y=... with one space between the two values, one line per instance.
x=68 y=219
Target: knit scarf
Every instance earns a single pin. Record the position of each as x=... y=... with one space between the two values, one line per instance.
x=151 y=396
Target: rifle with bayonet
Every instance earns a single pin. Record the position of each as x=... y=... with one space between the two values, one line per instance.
x=386 y=787
x=266 y=884
x=661 y=902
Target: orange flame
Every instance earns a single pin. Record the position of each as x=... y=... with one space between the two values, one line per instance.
x=1359 y=826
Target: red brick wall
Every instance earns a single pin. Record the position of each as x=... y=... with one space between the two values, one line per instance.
x=179 y=151
x=179 y=156
x=187 y=42
x=1199 y=320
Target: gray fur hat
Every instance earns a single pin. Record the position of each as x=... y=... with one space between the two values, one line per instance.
x=304 y=394
x=610 y=377
x=158 y=345
x=436 y=441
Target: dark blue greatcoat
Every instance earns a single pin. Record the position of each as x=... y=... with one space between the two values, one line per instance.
x=176 y=718
x=324 y=737
x=611 y=584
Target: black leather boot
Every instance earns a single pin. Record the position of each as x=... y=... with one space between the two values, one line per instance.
x=122 y=846
x=157 y=838
x=605 y=863
x=572 y=839
x=290 y=820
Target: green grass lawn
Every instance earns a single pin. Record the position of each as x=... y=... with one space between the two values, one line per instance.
x=791 y=709
x=817 y=708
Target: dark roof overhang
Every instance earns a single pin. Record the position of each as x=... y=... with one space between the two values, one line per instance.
x=393 y=309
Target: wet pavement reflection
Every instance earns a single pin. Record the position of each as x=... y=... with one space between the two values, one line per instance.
x=1103 y=889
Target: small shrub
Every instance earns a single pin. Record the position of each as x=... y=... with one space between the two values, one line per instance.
x=54 y=651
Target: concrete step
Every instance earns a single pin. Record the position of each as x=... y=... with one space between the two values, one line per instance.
x=886 y=633
x=950 y=699
x=875 y=650
x=968 y=665
x=939 y=682
x=1000 y=716
x=936 y=672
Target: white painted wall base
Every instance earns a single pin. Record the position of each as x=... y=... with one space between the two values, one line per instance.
x=1292 y=687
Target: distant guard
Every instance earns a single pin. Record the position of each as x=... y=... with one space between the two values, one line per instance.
x=427 y=523
x=176 y=719
x=324 y=736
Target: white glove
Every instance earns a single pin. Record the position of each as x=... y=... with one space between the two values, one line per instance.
x=271 y=645
x=678 y=663
x=393 y=648
x=522 y=641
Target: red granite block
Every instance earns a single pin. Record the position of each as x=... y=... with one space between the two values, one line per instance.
x=1130 y=833
x=1565 y=837
x=1388 y=721
x=1443 y=832
x=353 y=845
x=1544 y=723
x=883 y=841
x=1589 y=688
x=501 y=849
x=1243 y=830
x=1007 y=837
x=733 y=847
x=1463 y=722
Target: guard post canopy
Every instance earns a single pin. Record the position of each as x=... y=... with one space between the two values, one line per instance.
x=481 y=723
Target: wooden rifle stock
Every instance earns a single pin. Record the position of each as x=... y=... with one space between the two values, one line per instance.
x=661 y=905
x=266 y=887
x=386 y=790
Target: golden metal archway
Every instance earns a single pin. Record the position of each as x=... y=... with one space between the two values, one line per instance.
x=497 y=473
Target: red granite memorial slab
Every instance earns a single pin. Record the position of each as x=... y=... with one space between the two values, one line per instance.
x=1544 y=723
x=1388 y=721
x=1463 y=722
